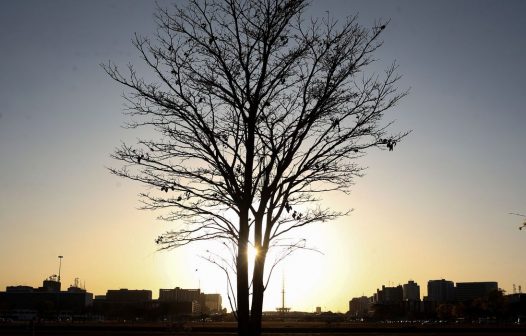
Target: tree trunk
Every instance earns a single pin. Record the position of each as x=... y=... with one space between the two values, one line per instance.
x=243 y=313
x=257 y=294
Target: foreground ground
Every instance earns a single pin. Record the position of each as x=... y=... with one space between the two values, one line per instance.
x=270 y=328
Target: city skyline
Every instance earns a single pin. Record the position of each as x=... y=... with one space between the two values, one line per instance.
x=434 y=208
x=411 y=290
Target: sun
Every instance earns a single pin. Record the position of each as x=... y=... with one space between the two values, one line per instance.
x=252 y=252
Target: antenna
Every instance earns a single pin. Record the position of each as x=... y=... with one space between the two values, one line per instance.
x=198 y=279
x=283 y=309
x=59 y=266
x=283 y=293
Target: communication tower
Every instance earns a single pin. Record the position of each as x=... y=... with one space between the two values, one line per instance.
x=59 y=266
x=283 y=309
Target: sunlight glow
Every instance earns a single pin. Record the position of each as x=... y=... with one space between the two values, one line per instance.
x=252 y=253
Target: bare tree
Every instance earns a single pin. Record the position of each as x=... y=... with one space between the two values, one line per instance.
x=523 y=225
x=258 y=111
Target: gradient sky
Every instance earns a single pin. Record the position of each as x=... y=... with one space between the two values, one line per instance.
x=436 y=207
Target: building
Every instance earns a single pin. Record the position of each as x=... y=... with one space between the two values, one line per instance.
x=213 y=303
x=465 y=291
x=196 y=307
x=440 y=291
x=411 y=291
x=358 y=307
x=179 y=295
x=20 y=289
x=389 y=295
x=48 y=301
x=128 y=295
x=517 y=306
x=179 y=301
x=124 y=304
x=50 y=285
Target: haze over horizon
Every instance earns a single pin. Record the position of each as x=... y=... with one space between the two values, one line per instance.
x=436 y=207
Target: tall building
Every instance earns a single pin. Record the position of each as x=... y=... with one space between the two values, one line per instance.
x=389 y=295
x=213 y=303
x=358 y=307
x=440 y=291
x=465 y=291
x=411 y=291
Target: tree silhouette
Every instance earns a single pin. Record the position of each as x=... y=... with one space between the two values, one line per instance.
x=523 y=225
x=257 y=112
